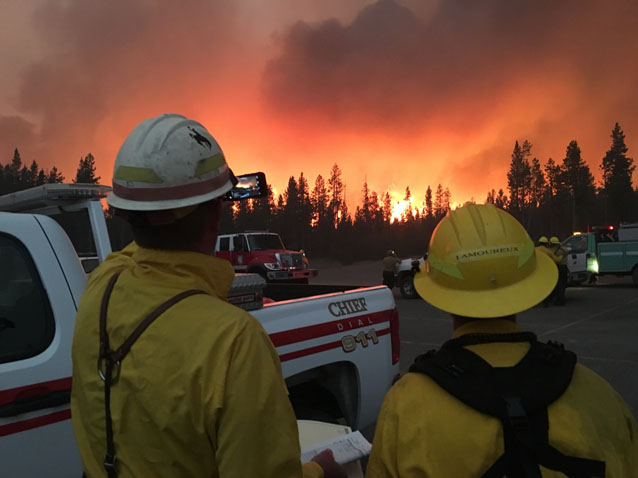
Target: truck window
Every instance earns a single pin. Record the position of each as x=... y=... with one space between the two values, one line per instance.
x=26 y=320
x=263 y=242
x=576 y=244
x=239 y=243
x=224 y=243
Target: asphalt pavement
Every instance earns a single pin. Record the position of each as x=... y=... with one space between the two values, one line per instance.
x=599 y=323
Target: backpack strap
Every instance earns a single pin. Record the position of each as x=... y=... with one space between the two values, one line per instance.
x=109 y=361
x=518 y=396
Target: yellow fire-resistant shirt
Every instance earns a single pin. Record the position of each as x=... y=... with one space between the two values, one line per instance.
x=423 y=432
x=200 y=393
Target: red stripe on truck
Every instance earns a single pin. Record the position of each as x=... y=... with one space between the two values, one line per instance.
x=34 y=389
x=36 y=422
x=320 y=348
x=329 y=328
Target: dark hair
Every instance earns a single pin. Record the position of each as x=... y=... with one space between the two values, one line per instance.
x=183 y=235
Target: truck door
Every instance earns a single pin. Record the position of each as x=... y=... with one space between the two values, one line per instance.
x=223 y=248
x=577 y=247
x=239 y=252
x=37 y=311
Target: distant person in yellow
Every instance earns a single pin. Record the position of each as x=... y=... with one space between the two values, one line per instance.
x=390 y=264
x=186 y=385
x=493 y=401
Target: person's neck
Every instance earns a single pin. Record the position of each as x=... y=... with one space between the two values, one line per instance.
x=459 y=320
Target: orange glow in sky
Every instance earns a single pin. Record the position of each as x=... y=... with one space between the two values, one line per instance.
x=396 y=92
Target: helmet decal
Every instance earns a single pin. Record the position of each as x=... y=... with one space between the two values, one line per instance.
x=197 y=136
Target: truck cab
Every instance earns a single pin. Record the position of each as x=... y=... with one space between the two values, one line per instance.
x=263 y=253
x=604 y=251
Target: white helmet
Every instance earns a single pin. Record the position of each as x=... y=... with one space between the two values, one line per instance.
x=168 y=162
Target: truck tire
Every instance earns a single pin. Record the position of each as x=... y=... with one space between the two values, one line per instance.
x=634 y=275
x=406 y=287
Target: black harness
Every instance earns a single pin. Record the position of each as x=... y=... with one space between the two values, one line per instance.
x=518 y=396
x=110 y=361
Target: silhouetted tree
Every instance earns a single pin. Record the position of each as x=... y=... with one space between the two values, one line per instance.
x=438 y=203
x=336 y=194
x=501 y=201
x=429 y=210
x=519 y=179
x=55 y=176
x=387 y=207
x=86 y=171
x=617 y=171
x=579 y=182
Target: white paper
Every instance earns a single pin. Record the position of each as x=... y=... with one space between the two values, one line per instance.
x=346 y=448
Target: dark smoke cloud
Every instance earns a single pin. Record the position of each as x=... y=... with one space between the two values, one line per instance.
x=390 y=69
x=16 y=133
x=108 y=65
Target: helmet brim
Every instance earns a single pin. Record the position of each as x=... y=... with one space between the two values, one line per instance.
x=130 y=205
x=499 y=302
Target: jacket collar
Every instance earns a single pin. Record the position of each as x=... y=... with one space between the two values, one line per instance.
x=487 y=326
x=184 y=269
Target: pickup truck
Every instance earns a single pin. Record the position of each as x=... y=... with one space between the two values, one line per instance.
x=339 y=349
x=263 y=253
x=603 y=252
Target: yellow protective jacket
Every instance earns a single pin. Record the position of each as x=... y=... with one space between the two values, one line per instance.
x=200 y=393
x=423 y=432
x=549 y=252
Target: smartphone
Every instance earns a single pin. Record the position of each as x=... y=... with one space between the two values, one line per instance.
x=249 y=186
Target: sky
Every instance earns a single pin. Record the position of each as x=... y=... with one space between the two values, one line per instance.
x=396 y=92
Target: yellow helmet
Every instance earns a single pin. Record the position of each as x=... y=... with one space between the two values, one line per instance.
x=482 y=263
x=554 y=240
x=543 y=240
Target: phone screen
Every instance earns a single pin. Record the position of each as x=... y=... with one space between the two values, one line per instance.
x=249 y=186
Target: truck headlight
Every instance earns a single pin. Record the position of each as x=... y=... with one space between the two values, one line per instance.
x=271 y=266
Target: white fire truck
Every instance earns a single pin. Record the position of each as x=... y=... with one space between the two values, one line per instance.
x=339 y=349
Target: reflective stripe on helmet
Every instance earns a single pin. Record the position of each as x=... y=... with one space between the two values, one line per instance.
x=171 y=192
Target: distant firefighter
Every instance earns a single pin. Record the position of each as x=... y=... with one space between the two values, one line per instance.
x=390 y=264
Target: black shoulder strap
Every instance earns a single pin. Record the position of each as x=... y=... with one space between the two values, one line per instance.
x=518 y=396
x=110 y=360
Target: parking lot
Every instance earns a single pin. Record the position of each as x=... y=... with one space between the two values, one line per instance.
x=599 y=323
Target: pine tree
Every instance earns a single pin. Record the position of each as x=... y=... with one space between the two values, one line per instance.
x=447 y=198
x=42 y=178
x=376 y=212
x=519 y=178
x=617 y=179
x=387 y=208
x=537 y=184
x=578 y=181
x=438 y=203
x=319 y=201
x=336 y=192
x=33 y=174
x=365 y=213
x=54 y=176
x=501 y=201
x=429 y=211
x=86 y=171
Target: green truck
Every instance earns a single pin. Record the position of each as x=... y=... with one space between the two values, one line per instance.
x=603 y=252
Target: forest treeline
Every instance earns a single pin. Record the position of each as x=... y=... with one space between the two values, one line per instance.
x=553 y=198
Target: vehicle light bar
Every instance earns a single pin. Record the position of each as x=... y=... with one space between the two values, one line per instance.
x=51 y=195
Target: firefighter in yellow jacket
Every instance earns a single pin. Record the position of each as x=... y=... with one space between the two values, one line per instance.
x=169 y=379
x=493 y=401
